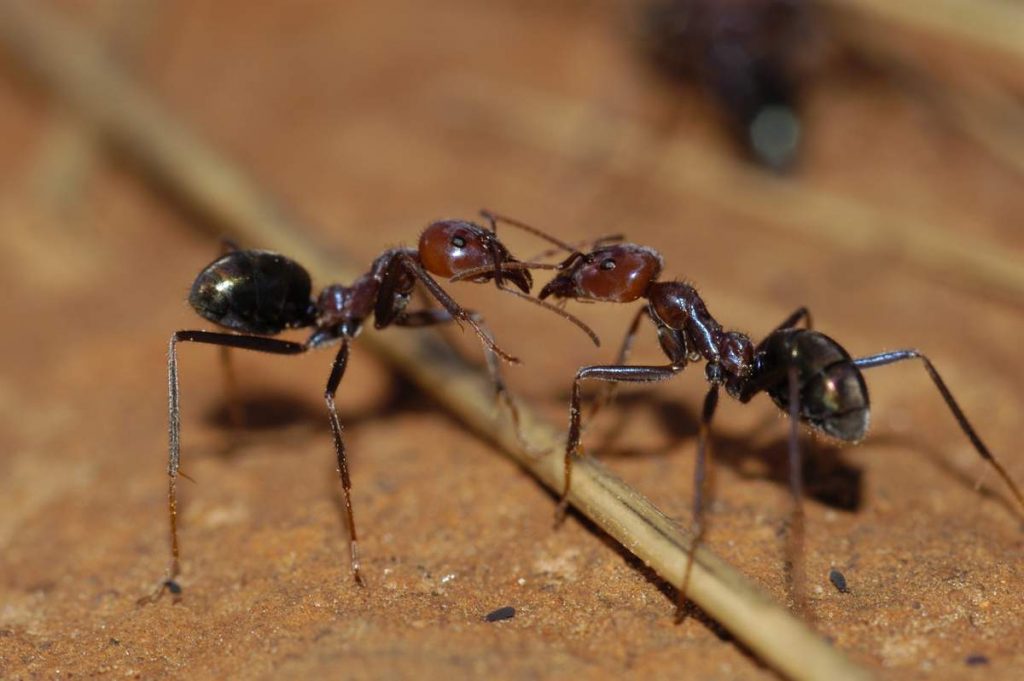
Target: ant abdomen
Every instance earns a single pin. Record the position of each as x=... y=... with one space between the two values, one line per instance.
x=254 y=291
x=833 y=395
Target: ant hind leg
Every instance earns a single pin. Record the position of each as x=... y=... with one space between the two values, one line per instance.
x=224 y=340
x=795 y=536
x=801 y=313
x=885 y=358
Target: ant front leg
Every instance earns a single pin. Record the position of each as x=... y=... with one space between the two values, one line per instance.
x=422 y=318
x=884 y=358
x=699 y=478
x=607 y=391
x=458 y=313
x=611 y=373
x=337 y=371
x=224 y=340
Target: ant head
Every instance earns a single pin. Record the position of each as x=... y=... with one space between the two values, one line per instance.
x=449 y=247
x=617 y=274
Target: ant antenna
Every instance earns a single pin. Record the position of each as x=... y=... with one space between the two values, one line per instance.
x=487 y=269
x=558 y=311
x=532 y=264
x=495 y=218
x=505 y=266
x=589 y=244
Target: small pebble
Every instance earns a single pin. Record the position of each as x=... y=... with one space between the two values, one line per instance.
x=976 y=660
x=838 y=580
x=506 y=613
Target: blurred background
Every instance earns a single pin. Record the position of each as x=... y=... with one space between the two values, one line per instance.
x=862 y=159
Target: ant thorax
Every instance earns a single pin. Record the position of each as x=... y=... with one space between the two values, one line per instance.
x=677 y=307
x=342 y=309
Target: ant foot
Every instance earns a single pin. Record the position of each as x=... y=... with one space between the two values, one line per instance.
x=561 y=512
x=167 y=585
x=684 y=609
x=357 y=574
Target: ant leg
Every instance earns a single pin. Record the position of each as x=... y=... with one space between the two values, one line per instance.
x=421 y=318
x=795 y=545
x=699 y=477
x=235 y=416
x=337 y=371
x=257 y=343
x=794 y=319
x=884 y=358
x=607 y=391
x=493 y=248
x=611 y=373
x=487 y=269
x=458 y=313
x=557 y=310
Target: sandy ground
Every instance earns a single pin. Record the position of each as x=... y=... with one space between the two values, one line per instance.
x=371 y=119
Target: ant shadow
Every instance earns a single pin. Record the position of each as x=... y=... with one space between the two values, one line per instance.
x=962 y=477
x=268 y=415
x=827 y=477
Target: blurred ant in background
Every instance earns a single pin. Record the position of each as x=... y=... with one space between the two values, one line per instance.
x=748 y=54
x=258 y=294
x=807 y=374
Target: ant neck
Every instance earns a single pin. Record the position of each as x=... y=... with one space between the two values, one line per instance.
x=676 y=307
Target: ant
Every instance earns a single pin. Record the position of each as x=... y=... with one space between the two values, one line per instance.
x=807 y=374
x=257 y=294
x=750 y=55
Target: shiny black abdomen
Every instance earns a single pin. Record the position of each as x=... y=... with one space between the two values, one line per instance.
x=833 y=395
x=254 y=292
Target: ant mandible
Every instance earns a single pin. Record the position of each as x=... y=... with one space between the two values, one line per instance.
x=258 y=294
x=806 y=373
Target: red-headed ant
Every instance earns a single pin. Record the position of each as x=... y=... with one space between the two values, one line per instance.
x=258 y=294
x=806 y=373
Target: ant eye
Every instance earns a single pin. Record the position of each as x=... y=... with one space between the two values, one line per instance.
x=458 y=242
x=608 y=264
